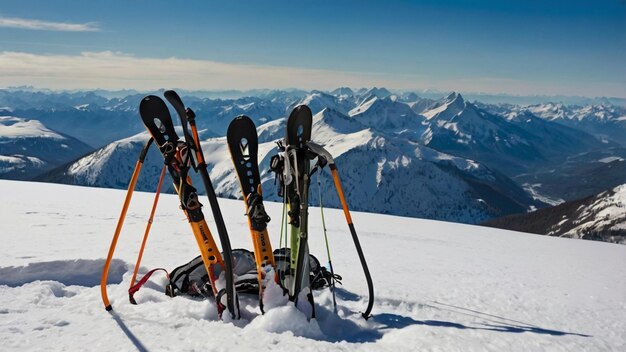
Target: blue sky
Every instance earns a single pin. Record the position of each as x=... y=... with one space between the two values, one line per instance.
x=515 y=47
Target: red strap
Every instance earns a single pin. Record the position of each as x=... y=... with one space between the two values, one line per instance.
x=144 y=279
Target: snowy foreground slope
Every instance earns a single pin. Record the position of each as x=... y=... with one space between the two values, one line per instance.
x=439 y=286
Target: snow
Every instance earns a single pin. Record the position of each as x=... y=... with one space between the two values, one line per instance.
x=10 y=163
x=610 y=159
x=15 y=127
x=450 y=107
x=605 y=212
x=19 y=159
x=91 y=166
x=439 y=286
x=534 y=188
x=363 y=107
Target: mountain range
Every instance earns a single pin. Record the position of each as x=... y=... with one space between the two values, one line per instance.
x=400 y=154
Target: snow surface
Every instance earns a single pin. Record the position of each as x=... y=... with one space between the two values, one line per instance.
x=439 y=286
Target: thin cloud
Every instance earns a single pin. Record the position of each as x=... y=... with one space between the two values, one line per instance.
x=26 y=23
x=114 y=70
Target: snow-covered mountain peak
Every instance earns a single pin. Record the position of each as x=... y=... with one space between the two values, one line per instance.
x=387 y=114
x=454 y=96
x=410 y=97
x=447 y=108
x=337 y=121
x=364 y=106
x=91 y=166
x=550 y=111
x=366 y=95
x=28 y=148
x=519 y=116
x=16 y=127
x=343 y=92
x=600 y=112
x=318 y=100
x=379 y=92
x=272 y=130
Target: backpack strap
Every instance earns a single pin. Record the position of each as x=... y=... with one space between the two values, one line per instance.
x=141 y=282
x=175 y=285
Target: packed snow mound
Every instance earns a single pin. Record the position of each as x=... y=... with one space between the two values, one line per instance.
x=439 y=286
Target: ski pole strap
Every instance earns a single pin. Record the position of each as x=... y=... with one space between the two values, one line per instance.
x=141 y=282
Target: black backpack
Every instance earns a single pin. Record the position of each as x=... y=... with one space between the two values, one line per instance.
x=192 y=278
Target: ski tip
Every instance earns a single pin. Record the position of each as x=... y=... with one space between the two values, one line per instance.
x=239 y=122
x=302 y=109
x=149 y=101
x=242 y=118
x=149 y=98
x=176 y=101
x=171 y=94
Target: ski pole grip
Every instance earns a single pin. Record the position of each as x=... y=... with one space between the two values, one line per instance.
x=191 y=116
x=144 y=151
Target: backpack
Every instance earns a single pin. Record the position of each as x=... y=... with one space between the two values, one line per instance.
x=192 y=278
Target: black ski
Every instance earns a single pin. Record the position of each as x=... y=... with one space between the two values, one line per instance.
x=299 y=125
x=243 y=143
x=187 y=118
x=293 y=171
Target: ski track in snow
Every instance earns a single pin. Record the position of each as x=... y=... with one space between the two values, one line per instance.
x=439 y=286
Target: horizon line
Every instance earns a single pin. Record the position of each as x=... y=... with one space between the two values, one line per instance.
x=392 y=90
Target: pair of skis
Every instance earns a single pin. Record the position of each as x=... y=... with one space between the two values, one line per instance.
x=180 y=157
x=293 y=166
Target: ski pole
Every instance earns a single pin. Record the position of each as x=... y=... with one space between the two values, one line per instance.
x=120 y=224
x=355 y=238
x=321 y=152
x=145 y=235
